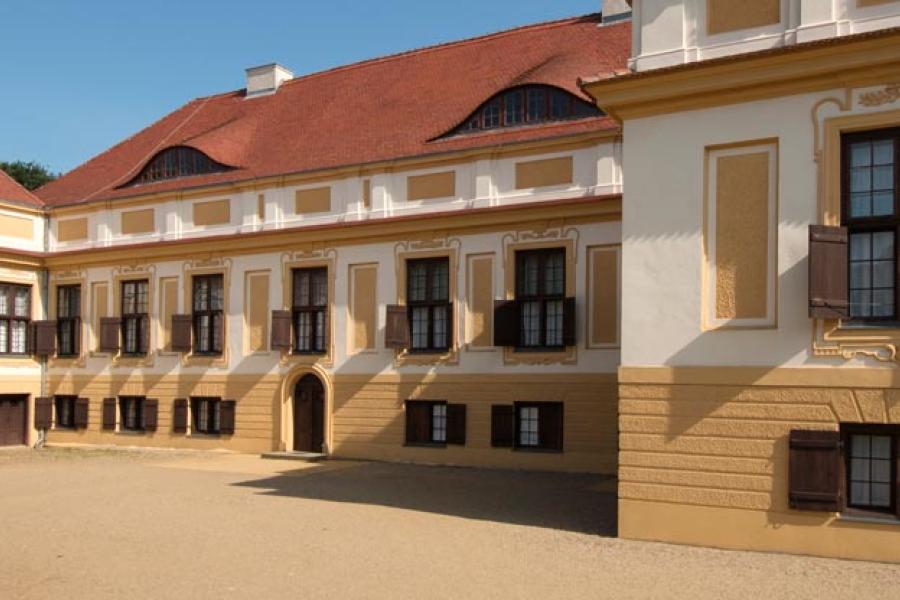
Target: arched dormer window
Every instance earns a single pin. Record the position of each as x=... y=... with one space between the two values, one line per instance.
x=527 y=105
x=179 y=161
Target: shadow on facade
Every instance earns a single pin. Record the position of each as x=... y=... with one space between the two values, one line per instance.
x=582 y=503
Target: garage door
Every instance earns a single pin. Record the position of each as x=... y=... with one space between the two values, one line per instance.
x=12 y=420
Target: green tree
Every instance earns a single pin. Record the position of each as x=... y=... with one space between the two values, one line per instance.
x=30 y=175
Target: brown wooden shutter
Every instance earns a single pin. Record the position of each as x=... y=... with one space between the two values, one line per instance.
x=569 y=322
x=281 y=330
x=396 y=330
x=502 y=425
x=81 y=413
x=550 y=426
x=506 y=323
x=144 y=338
x=151 y=414
x=828 y=287
x=815 y=479
x=227 y=417
x=418 y=422
x=109 y=334
x=43 y=412
x=456 y=424
x=109 y=414
x=179 y=415
x=44 y=338
x=181 y=333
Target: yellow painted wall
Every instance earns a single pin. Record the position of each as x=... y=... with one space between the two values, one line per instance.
x=704 y=458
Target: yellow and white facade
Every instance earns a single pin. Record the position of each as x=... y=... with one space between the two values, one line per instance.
x=733 y=120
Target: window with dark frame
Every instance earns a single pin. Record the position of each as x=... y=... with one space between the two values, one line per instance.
x=206 y=415
x=131 y=411
x=208 y=314
x=539 y=426
x=310 y=310
x=426 y=422
x=68 y=319
x=65 y=411
x=180 y=161
x=428 y=304
x=15 y=315
x=540 y=293
x=871 y=462
x=529 y=104
x=870 y=209
x=135 y=317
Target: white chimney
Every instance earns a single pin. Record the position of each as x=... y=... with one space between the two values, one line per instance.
x=266 y=79
x=614 y=11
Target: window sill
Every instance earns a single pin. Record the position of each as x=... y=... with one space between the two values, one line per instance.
x=133 y=432
x=425 y=445
x=536 y=450
x=874 y=519
x=868 y=326
x=536 y=349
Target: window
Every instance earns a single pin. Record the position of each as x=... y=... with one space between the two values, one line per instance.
x=208 y=314
x=310 y=310
x=65 y=411
x=131 y=409
x=15 y=314
x=207 y=415
x=871 y=455
x=426 y=422
x=135 y=318
x=180 y=161
x=68 y=319
x=428 y=304
x=539 y=425
x=870 y=212
x=540 y=292
x=530 y=104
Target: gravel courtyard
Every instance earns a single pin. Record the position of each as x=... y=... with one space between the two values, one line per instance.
x=78 y=523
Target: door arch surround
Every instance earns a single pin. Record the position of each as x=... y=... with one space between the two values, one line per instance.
x=289 y=388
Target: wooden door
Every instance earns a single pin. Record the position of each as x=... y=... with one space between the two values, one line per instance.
x=309 y=415
x=12 y=420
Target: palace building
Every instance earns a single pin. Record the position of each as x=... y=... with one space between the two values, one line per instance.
x=759 y=395
x=431 y=257
x=412 y=258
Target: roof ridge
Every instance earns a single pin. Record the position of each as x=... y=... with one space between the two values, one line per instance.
x=28 y=192
x=443 y=45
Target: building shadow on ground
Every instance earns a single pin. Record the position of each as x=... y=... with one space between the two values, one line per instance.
x=582 y=503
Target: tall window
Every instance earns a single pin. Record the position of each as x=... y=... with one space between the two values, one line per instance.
x=131 y=409
x=871 y=454
x=135 y=318
x=540 y=291
x=180 y=161
x=530 y=104
x=310 y=310
x=870 y=212
x=539 y=425
x=428 y=302
x=68 y=319
x=207 y=414
x=15 y=313
x=65 y=411
x=208 y=314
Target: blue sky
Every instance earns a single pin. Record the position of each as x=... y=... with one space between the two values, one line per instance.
x=80 y=75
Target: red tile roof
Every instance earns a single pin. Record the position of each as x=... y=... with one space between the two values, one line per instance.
x=11 y=191
x=382 y=109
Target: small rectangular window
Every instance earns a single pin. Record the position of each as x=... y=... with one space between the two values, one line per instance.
x=208 y=314
x=135 y=317
x=68 y=319
x=490 y=115
x=428 y=304
x=310 y=311
x=15 y=315
x=206 y=413
x=871 y=454
x=513 y=109
x=540 y=292
x=131 y=409
x=426 y=422
x=65 y=411
x=539 y=425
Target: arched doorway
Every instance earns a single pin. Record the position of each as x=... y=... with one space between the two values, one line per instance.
x=309 y=414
